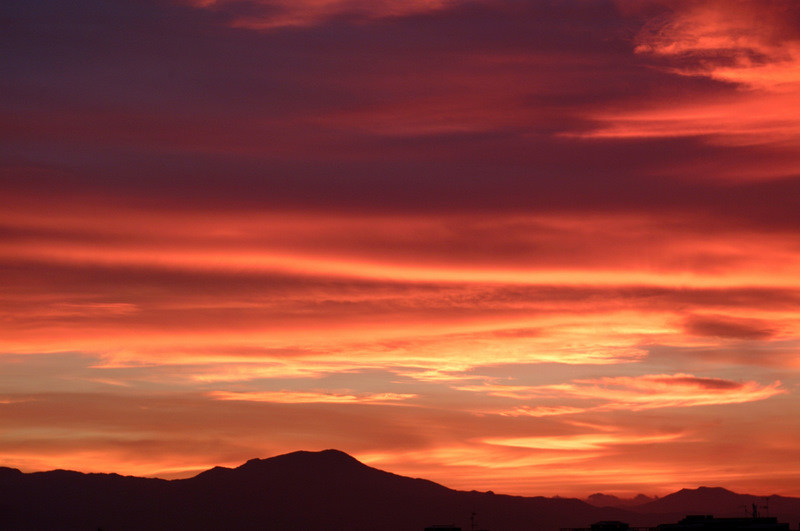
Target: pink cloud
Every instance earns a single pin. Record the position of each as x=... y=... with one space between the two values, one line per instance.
x=266 y=15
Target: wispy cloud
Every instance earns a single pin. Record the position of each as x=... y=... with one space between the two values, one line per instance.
x=754 y=43
x=754 y=46
x=634 y=393
x=580 y=442
x=309 y=397
x=265 y=15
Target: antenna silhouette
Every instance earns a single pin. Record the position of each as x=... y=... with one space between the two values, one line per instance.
x=754 y=507
x=765 y=505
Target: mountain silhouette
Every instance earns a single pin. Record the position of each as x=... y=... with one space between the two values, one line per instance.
x=327 y=490
x=608 y=500
x=723 y=503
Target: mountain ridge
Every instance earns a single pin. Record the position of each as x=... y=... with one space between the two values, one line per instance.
x=313 y=490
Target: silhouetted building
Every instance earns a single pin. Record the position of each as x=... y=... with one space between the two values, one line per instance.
x=704 y=522
x=701 y=522
x=609 y=525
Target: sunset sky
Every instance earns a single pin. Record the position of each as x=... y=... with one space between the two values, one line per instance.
x=542 y=247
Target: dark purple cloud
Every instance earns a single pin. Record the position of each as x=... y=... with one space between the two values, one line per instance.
x=124 y=100
x=711 y=384
x=728 y=327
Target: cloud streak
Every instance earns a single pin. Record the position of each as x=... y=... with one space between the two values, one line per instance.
x=634 y=393
x=294 y=397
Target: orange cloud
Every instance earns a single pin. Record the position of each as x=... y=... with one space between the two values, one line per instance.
x=302 y=295
x=752 y=45
x=315 y=264
x=636 y=393
x=539 y=411
x=676 y=390
x=736 y=119
x=580 y=442
x=310 y=397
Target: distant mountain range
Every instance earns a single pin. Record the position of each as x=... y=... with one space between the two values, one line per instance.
x=326 y=490
x=705 y=500
x=608 y=500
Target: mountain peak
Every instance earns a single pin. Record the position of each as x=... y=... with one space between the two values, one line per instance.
x=705 y=492
x=702 y=500
x=713 y=489
x=334 y=456
x=609 y=500
x=9 y=472
x=323 y=457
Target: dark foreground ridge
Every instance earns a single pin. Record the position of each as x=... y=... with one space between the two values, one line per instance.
x=326 y=490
